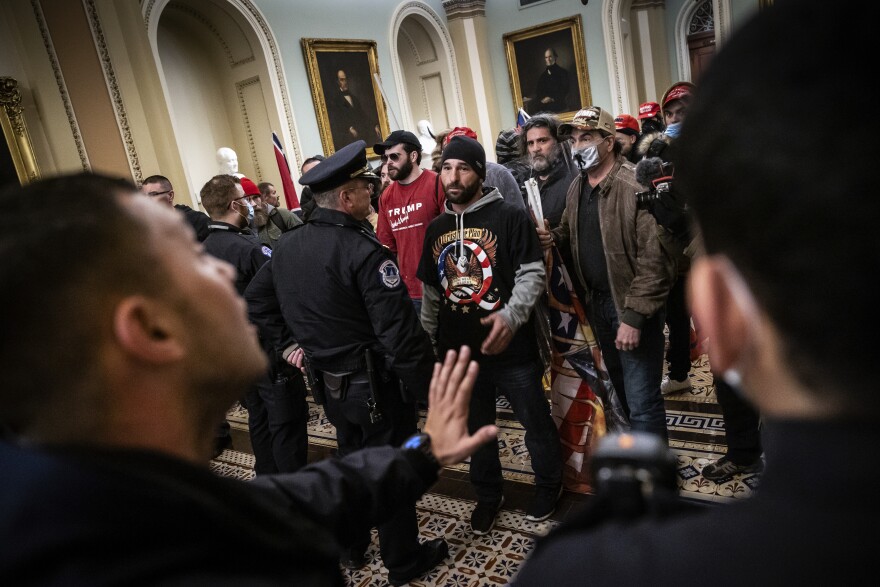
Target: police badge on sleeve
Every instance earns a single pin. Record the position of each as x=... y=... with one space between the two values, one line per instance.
x=389 y=274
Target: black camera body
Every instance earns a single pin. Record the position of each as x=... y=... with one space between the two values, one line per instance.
x=657 y=175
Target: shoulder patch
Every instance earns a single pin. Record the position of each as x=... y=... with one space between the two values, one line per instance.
x=266 y=251
x=389 y=274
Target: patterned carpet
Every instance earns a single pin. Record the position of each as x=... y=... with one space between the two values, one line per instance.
x=472 y=561
x=693 y=418
x=696 y=436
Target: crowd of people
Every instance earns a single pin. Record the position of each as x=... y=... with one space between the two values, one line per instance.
x=402 y=287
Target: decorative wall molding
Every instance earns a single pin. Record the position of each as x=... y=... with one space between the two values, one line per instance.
x=62 y=85
x=113 y=87
x=416 y=7
x=242 y=103
x=152 y=9
x=203 y=20
x=464 y=8
x=415 y=49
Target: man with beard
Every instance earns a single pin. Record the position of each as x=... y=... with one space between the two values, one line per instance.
x=483 y=272
x=619 y=263
x=550 y=167
x=414 y=198
x=270 y=221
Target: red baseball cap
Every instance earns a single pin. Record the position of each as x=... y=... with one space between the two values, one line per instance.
x=250 y=188
x=626 y=124
x=677 y=92
x=649 y=110
x=459 y=131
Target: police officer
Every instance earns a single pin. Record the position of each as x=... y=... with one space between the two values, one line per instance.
x=277 y=409
x=341 y=294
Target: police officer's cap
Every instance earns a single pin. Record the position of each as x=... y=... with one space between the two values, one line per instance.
x=347 y=163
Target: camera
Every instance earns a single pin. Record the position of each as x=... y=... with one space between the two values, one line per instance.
x=646 y=200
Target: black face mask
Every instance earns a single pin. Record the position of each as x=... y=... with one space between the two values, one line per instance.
x=650 y=125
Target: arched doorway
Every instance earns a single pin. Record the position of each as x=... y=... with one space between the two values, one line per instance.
x=701 y=39
x=427 y=81
x=223 y=84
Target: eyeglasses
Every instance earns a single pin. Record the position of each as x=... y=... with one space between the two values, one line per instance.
x=396 y=156
x=154 y=194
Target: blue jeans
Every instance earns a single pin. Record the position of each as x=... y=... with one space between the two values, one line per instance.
x=521 y=384
x=636 y=374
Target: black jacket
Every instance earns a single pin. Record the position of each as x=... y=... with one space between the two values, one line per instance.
x=238 y=247
x=125 y=517
x=340 y=292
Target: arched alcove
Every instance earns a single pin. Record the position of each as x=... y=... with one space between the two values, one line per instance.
x=224 y=85
x=423 y=63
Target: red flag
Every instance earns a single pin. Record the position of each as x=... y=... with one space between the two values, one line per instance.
x=290 y=196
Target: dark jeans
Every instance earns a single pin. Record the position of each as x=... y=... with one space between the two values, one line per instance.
x=278 y=416
x=740 y=425
x=399 y=536
x=636 y=374
x=678 y=319
x=521 y=384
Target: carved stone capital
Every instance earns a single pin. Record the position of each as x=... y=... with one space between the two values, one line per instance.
x=645 y=4
x=464 y=8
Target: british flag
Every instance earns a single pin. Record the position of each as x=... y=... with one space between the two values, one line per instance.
x=584 y=402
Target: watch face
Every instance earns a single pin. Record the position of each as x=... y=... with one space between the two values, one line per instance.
x=415 y=442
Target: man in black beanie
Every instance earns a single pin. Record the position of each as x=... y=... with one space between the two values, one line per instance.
x=483 y=272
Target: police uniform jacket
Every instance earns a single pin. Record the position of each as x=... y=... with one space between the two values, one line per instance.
x=340 y=292
x=238 y=247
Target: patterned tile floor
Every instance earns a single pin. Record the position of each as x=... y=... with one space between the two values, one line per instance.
x=696 y=436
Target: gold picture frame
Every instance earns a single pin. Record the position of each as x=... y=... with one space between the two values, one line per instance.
x=18 y=141
x=531 y=72
x=355 y=111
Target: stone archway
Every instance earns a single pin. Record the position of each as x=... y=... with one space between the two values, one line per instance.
x=423 y=63
x=223 y=83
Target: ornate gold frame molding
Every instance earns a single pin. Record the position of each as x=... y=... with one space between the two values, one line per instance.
x=15 y=131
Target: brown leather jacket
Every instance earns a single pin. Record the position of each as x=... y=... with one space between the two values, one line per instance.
x=640 y=270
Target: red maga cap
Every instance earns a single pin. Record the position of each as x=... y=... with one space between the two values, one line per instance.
x=459 y=131
x=649 y=110
x=626 y=124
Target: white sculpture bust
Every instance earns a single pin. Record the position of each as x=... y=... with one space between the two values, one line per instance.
x=426 y=137
x=227 y=162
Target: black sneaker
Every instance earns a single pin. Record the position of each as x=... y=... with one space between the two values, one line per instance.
x=483 y=516
x=432 y=553
x=723 y=469
x=543 y=504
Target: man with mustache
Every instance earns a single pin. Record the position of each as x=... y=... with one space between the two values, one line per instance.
x=407 y=205
x=550 y=165
x=483 y=272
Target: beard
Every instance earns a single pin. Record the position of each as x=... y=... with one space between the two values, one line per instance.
x=402 y=172
x=261 y=217
x=540 y=163
x=466 y=193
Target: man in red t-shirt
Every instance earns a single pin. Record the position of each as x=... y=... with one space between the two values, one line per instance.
x=414 y=198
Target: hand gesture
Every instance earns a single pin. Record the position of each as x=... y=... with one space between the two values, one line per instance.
x=448 y=399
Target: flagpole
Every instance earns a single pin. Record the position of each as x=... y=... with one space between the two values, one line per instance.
x=387 y=103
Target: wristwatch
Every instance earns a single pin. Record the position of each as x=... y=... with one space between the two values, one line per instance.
x=421 y=443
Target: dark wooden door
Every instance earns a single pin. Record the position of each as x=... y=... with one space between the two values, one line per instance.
x=701 y=48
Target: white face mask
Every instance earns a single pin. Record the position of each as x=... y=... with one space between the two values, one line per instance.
x=250 y=211
x=586 y=158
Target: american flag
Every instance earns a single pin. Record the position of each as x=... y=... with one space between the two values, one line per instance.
x=521 y=119
x=585 y=405
x=290 y=197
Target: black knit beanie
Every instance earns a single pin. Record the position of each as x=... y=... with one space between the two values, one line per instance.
x=467 y=150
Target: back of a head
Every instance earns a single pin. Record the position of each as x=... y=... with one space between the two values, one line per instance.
x=791 y=201
x=217 y=193
x=68 y=247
